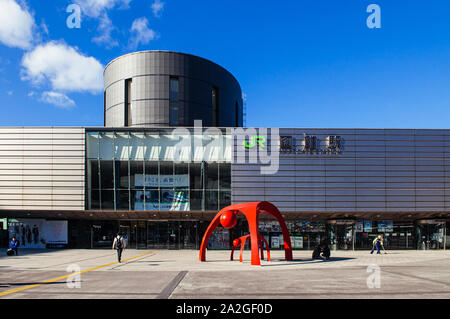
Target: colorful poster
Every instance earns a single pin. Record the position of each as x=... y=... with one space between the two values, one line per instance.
x=389 y=227
x=265 y=226
x=297 y=242
x=367 y=226
x=156 y=199
x=381 y=226
x=38 y=233
x=219 y=239
x=55 y=232
x=359 y=227
x=275 y=242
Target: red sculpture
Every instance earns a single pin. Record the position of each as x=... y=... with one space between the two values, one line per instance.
x=241 y=241
x=227 y=218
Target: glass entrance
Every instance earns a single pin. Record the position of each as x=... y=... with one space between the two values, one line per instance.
x=128 y=231
x=157 y=234
x=396 y=234
x=102 y=234
x=141 y=235
x=430 y=234
x=341 y=236
x=172 y=235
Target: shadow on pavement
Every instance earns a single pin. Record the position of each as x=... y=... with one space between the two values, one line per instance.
x=307 y=261
x=28 y=252
x=6 y=285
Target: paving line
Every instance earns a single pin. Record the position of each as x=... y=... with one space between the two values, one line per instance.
x=13 y=291
x=165 y=294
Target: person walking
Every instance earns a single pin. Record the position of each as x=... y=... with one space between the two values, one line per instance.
x=119 y=245
x=14 y=245
x=378 y=244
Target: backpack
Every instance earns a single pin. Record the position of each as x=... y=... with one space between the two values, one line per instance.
x=119 y=242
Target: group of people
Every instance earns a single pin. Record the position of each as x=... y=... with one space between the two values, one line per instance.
x=322 y=251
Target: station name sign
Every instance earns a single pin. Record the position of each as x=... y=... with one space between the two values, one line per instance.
x=310 y=144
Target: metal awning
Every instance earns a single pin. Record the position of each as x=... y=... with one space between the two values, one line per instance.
x=209 y=215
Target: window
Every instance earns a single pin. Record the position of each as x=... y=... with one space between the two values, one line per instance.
x=106 y=175
x=225 y=176
x=128 y=98
x=173 y=102
x=212 y=176
x=215 y=105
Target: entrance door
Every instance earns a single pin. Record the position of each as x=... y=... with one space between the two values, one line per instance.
x=344 y=234
x=157 y=234
x=128 y=231
x=188 y=235
x=430 y=235
x=174 y=235
x=341 y=236
x=141 y=235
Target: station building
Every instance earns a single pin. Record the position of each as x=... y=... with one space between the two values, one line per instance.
x=173 y=152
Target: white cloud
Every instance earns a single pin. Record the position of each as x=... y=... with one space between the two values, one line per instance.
x=98 y=9
x=105 y=28
x=95 y=8
x=142 y=33
x=44 y=27
x=58 y=99
x=16 y=25
x=64 y=67
x=157 y=7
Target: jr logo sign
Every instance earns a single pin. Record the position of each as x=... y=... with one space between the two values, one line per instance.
x=260 y=140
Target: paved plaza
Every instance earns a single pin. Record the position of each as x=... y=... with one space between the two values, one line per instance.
x=163 y=274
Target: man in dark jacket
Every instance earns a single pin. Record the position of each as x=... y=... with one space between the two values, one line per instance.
x=119 y=245
x=14 y=245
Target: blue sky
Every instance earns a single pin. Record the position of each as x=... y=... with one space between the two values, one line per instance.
x=300 y=63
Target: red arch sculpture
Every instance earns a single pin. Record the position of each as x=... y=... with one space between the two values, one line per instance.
x=251 y=212
x=241 y=242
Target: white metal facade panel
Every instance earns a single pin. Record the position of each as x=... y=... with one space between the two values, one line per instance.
x=42 y=168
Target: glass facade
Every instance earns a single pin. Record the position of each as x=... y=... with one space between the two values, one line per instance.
x=158 y=171
x=305 y=235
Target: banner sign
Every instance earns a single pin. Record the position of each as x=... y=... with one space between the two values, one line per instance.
x=162 y=181
x=171 y=199
x=367 y=226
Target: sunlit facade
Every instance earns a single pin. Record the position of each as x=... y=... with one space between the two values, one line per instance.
x=144 y=170
x=173 y=152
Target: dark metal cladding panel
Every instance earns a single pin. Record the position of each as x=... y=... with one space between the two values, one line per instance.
x=151 y=71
